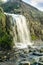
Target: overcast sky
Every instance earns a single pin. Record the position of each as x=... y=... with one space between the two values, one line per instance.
x=35 y=3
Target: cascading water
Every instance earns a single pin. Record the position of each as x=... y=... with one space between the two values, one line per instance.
x=22 y=31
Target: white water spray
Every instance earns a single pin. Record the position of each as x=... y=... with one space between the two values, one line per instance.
x=22 y=29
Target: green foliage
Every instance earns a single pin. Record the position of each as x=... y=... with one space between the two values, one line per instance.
x=6 y=41
x=2 y=18
x=5 y=38
x=34 y=37
x=11 y=7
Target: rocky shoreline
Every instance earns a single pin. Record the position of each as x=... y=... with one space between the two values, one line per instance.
x=15 y=56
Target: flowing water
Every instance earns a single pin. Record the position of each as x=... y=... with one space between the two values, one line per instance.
x=22 y=30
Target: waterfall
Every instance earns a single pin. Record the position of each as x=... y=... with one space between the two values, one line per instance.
x=22 y=31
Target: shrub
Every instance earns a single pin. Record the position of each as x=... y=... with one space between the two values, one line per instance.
x=6 y=41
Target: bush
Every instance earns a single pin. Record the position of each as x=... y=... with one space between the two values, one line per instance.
x=34 y=37
x=6 y=41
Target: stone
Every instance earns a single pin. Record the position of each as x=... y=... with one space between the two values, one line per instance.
x=24 y=63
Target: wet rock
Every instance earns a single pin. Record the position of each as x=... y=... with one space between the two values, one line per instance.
x=40 y=61
x=24 y=63
x=37 y=54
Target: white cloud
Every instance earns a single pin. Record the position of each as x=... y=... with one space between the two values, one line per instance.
x=4 y=0
x=34 y=2
x=41 y=9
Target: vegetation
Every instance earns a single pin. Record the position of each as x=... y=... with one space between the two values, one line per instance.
x=5 y=38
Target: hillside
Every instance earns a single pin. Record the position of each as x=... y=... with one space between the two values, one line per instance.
x=33 y=15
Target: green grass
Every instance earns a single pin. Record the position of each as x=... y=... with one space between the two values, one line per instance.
x=34 y=37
